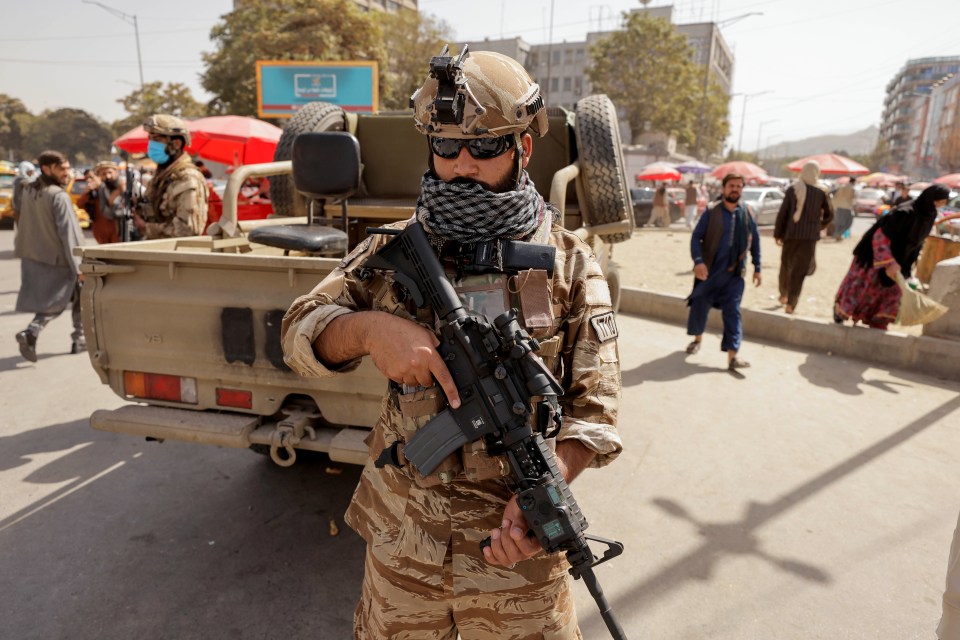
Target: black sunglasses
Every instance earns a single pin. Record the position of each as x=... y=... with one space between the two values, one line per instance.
x=479 y=148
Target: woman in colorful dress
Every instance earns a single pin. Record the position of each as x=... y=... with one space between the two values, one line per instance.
x=869 y=292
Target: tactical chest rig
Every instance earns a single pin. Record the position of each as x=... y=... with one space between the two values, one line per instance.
x=508 y=396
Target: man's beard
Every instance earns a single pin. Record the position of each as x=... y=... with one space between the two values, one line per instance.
x=506 y=183
x=731 y=199
x=112 y=184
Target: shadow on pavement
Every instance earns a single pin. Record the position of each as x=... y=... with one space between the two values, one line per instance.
x=673 y=366
x=844 y=376
x=738 y=538
x=175 y=541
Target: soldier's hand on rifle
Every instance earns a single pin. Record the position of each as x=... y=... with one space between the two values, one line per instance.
x=407 y=353
x=510 y=543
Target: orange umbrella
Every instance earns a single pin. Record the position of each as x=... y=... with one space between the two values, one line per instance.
x=831 y=163
x=748 y=170
x=952 y=180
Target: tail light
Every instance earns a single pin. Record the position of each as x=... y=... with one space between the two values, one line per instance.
x=156 y=386
x=236 y=398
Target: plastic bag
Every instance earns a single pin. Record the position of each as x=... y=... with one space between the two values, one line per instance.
x=915 y=307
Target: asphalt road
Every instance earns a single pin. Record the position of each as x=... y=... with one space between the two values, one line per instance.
x=811 y=497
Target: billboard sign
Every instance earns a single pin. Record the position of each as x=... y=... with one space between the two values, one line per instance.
x=285 y=86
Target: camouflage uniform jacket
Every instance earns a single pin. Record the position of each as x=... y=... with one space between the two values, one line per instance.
x=414 y=523
x=176 y=201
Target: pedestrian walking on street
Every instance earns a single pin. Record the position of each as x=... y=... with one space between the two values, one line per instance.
x=660 y=215
x=805 y=212
x=719 y=246
x=47 y=233
x=843 y=203
x=690 y=204
x=869 y=292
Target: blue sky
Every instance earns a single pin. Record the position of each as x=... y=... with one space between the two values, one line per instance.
x=825 y=63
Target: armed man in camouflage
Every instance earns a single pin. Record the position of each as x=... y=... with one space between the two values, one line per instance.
x=176 y=198
x=425 y=573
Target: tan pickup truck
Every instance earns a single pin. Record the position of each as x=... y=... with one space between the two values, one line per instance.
x=188 y=329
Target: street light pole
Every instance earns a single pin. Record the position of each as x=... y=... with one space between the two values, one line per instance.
x=743 y=114
x=706 y=75
x=129 y=19
x=760 y=131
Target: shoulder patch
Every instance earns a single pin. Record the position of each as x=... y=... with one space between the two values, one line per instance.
x=357 y=251
x=606 y=326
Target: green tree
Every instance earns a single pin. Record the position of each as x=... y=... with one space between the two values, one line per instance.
x=13 y=117
x=648 y=71
x=73 y=132
x=412 y=39
x=308 y=30
x=156 y=97
x=716 y=121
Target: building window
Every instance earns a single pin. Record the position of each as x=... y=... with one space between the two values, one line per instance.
x=580 y=55
x=554 y=85
x=567 y=83
x=556 y=56
x=578 y=85
x=568 y=56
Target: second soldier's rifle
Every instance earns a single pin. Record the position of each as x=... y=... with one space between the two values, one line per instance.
x=125 y=215
x=508 y=397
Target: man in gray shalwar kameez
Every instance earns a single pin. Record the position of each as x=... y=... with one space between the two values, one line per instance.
x=46 y=235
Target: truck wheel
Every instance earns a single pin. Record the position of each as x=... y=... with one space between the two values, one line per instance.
x=312 y=117
x=602 y=178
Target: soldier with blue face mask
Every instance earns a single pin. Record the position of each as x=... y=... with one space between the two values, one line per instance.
x=176 y=198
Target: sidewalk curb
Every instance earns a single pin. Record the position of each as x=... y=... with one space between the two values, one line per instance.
x=924 y=354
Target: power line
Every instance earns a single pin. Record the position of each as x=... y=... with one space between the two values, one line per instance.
x=106 y=63
x=102 y=37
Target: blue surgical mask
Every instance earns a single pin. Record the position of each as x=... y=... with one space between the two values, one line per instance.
x=157 y=151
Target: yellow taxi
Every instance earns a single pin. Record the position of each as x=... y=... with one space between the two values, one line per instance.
x=6 y=198
x=76 y=188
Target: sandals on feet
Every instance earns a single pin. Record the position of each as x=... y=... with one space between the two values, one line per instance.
x=693 y=347
x=737 y=363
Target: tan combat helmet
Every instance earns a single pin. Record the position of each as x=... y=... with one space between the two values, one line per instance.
x=475 y=95
x=167 y=125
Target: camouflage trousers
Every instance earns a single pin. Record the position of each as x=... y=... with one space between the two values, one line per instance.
x=401 y=606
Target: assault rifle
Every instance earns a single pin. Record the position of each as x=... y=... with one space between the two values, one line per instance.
x=508 y=397
x=125 y=215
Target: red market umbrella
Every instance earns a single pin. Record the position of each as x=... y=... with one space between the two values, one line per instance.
x=234 y=140
x=832 y=164
x=658 y=171
x=133 y=141
x=951 y=180
x=748 y=170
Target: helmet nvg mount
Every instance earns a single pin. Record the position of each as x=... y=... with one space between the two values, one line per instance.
x=167 y=125
x=484 y=94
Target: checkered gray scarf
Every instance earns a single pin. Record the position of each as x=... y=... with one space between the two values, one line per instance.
x=467 y=212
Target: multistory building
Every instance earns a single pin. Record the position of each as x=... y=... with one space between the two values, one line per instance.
x=907 y=111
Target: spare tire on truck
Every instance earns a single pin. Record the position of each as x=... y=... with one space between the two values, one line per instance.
x=311 y=118
x=602 y=179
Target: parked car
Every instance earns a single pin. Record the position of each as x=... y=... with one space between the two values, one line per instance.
x=6 y=198
x=677 y=196
x=76 y=188
x=868 y=200
x=763 y=203
x=642 y=198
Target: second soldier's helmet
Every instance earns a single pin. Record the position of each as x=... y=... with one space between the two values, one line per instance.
x=478 y=94
x=167 y=125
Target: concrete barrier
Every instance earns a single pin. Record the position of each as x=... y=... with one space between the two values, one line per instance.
x=945 y=289
x=931 y=355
